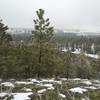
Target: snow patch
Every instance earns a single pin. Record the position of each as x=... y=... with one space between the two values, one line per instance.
x=64 y=50
x=21 y=96
x=8 y=84
x=27 y=89
x=92 y=56
x=63 y=79
x=87 y=82
x=41 y=91
x=50 y=88
x=3 y=94
x=77 y=79
x=45 y=85
x=76 y=51
x=35 y=81
x=17 y=96
x=77 y=90
x=91 y=87
x=22 y=82
x=48 y=80
x=58 y=82
x=62 y=95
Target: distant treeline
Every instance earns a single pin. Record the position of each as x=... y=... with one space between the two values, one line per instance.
x=89 y=44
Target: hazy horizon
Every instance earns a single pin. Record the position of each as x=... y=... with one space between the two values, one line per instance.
x=63 y=14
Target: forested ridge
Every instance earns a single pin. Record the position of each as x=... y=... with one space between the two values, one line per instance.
x=89 y=44
x=40 y=54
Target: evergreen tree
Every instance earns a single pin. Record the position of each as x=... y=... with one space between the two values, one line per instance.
x=42 y=36
x=4 y=49
x=83 y=66
x=3 y=35
x=69 y=66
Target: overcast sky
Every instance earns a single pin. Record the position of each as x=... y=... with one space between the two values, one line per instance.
x=81 y=14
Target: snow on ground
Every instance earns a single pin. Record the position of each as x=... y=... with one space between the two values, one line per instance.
x=62 y=95
x=41 y=91
x=48 y=80
x=53 y=81
x=91 y=87
x=27 y=89
x=88 y=55
x=23 y=82
x=92 y=55
x=58 y=82
x=8 y=84
x=77 y=90
x=17 y=96
x=76 y=51
x=3 y=94
x=46 y=85
x=21 y=96
x=50 y=88
x=64 y=50
x=49 y=84
x=63 y=79
x=34 y=80
x=87 y=82
x=77 y=79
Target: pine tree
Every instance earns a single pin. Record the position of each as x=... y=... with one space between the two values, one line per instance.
x=83 y=66
x=42 y=35
x=69 y=67
x=3 y=35
x=4 y=49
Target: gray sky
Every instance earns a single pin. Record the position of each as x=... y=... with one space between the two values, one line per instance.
x=81 y=14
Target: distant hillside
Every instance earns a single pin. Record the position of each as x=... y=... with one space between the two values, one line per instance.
x=73 y=40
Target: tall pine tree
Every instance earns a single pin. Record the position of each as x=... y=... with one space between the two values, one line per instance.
x=3 y=35
x=42 y=39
